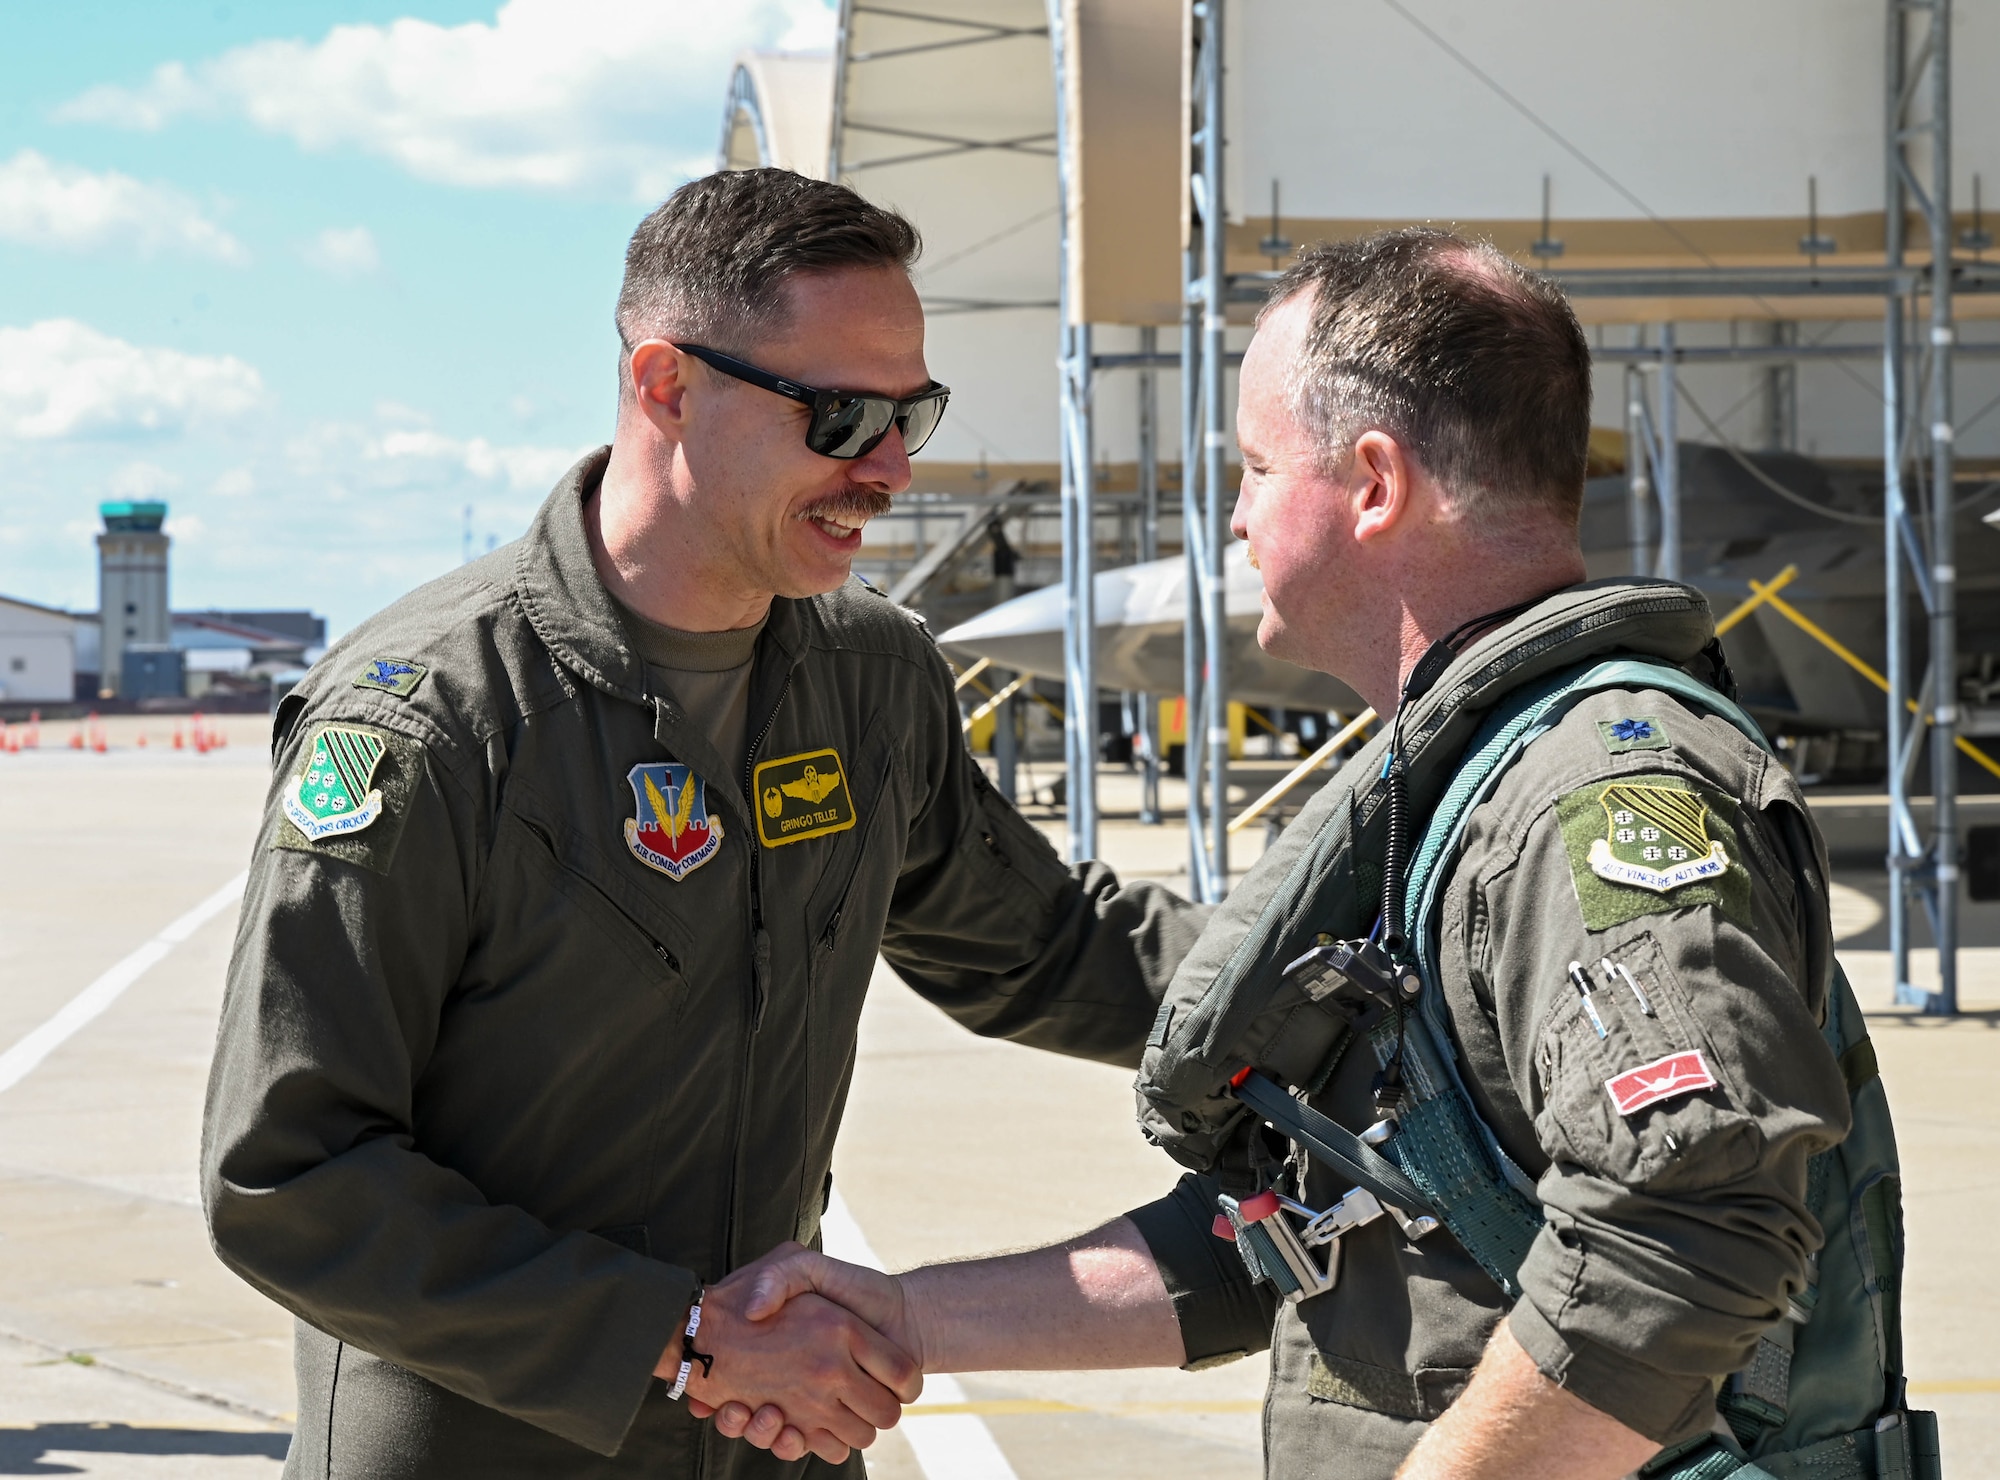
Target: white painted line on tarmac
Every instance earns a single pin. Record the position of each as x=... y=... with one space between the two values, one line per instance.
x=948 y=1446
x=18 y=1062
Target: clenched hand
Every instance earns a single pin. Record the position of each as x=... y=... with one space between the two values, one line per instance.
x=783 y=1280
x=825 y=1369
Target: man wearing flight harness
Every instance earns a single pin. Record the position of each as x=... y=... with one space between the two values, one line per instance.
x=1519 y=1071
x=575 y=871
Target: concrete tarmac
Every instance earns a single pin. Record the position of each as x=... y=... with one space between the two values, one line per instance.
x=126 y=1350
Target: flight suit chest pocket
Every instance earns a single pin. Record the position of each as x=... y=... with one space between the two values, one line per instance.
x=1629 y=1081
x=850 y=898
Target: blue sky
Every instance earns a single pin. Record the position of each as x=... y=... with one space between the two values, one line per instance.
x=323 y=275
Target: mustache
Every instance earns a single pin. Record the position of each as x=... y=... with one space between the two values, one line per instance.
x=852 y=500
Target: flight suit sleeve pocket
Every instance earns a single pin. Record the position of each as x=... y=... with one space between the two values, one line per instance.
x=1630 y=1082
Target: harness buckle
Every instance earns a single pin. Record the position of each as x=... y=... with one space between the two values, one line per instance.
x=1277 y=1236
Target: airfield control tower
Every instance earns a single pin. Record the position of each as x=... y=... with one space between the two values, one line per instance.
x=131 y=584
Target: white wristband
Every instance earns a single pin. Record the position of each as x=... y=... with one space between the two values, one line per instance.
x=687 y=1345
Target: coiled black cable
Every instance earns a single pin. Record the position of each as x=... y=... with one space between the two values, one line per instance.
x=1395 y=856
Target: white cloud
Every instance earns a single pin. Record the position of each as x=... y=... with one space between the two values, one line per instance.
x=552 y=94
x=63 y=379
x=524 y=469
x=235 y=483
x=343 y=251
x=142 y=480
x=45 y=204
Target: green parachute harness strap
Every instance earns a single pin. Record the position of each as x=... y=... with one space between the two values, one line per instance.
x=1489 y=1203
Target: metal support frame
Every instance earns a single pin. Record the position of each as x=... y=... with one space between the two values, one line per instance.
x=1653 y=458
x=1076 y=377
x=1147 y=732
x=1917 y=135
x=1204 y=498
x=1638 y=471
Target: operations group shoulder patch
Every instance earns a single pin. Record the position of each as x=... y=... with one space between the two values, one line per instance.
x=398 y=676
x=802 y=796
x=331 y=796
x=349 y=794
x=1647 y=844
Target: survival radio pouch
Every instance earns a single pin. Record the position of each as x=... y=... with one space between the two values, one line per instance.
x=1824 y=1393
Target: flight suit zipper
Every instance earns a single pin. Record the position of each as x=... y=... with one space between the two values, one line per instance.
x=760 y=968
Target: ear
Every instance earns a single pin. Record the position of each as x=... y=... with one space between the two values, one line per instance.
x=1382 y=482
x=656 y=378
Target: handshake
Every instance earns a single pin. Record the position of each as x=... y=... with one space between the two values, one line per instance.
x=815 y=1355
x=811 y=1354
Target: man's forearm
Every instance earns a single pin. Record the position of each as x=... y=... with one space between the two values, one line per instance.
x=1513 y=1421
x=1096 y=1301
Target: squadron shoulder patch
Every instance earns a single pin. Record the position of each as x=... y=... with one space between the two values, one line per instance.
x=396 y=676
x=673 y=831
x=331 y=796
x=802 y=796
x=1651 y=844
x=350 y=794
x=1642 y=733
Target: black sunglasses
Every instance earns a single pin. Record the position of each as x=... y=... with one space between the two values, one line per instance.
x=845 y=424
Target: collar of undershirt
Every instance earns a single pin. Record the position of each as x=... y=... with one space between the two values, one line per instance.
x=691 y=652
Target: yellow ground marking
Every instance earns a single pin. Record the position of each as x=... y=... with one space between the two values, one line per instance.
x=1014 y=1407
x=1958 y=1385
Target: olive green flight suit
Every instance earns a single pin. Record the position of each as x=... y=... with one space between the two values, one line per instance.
x=1677 y=1231
x=493 y=1090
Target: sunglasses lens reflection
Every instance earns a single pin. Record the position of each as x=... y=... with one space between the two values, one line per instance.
x=922 y=420
x=849 y=425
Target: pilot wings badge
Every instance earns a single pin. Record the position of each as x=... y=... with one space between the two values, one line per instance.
x=673 y=831
x=1655 y=837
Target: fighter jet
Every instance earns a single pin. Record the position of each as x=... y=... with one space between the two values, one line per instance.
x=1141 y=617
x=1736 y=529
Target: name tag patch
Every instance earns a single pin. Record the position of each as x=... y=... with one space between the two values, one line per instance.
x=802 y=796
x=1676 y=1074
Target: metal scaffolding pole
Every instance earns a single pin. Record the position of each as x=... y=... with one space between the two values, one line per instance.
x=1149 y=549
x=1638 y=471
x=1667 y=471
x=1919 y=62
x=1076 y=379
x=1204 y=499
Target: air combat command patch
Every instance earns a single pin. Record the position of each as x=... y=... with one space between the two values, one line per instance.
x=673 y=831
x=1648 y=844
x=802 y=796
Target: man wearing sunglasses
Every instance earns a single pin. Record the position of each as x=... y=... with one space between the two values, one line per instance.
x=575 y=871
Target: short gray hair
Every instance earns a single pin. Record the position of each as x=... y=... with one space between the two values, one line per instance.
x=710 y=264
x=1472 y=363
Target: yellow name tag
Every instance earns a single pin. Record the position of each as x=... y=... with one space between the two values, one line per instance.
x=802 y=796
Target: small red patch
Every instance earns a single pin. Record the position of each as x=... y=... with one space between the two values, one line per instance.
x=1676 y=1074
x=1223 y=1229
